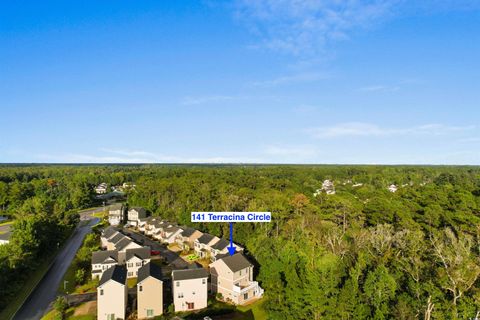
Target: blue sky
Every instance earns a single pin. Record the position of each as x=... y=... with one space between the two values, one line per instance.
x=283 y=81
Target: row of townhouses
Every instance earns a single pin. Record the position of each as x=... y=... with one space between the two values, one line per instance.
x=206 y=246
x=230 y=278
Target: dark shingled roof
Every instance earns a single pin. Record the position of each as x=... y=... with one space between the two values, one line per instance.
x=117 y=238
x=220 y=245
x=138 y=209
x=189 y=274
x=100 y=256
x=205 y=238
x=116 y=206
x=110 y=231
x=123 y=243
x=236 y=262
x=149 y=270
x=116 y=273
x=187 y=232
x=142 y=253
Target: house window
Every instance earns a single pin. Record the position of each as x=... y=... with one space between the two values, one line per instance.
x=178 y=283
x=149 y=312
x=111 y=316
x=130 y=274
x=140 y=288
x=193 y=292
x=240 y=273
x=139 y=264
x=245 y=296
x=180 y=295
x=101 y=292
x=204 y=281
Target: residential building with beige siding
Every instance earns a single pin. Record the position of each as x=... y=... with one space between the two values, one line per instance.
x=112 y=294
x=149 y=291
x=232 y=277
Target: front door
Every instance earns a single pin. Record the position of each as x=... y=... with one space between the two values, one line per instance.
x=190 y=305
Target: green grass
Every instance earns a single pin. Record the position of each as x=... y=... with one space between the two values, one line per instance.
x=100 y=214
x=131 y=282
x=192 y=257
x=69 y=276
x=68 y=315
x=33 y=279
x=259 y=312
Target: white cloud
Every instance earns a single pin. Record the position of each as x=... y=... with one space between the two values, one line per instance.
x=359 y=129
x=306 y=27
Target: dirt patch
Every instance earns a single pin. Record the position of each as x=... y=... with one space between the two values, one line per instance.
x=86 y=308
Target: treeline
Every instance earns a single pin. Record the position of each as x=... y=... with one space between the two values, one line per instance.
x=361 y=253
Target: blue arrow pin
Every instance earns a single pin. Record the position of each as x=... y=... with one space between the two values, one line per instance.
x=231 y=249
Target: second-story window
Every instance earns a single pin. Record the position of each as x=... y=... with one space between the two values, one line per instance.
x=178 y=283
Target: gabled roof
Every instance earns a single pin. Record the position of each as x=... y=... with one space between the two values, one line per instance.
x=172 y=229
x=117 y=238
x=141 y=253
x=109 y=231
x=116 y=273
x=236 y=262
x=149 y=270
x=116 y=206
x=189 y=274
x=221 y=244
x=205 y=238
x=120 y=245
x=187 y=231
x=138 y=209
x=101 y=256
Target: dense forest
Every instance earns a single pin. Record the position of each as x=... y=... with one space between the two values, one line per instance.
x=361 y=253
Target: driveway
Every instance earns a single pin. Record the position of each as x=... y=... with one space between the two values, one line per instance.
x=45 y=292
x=171 y=257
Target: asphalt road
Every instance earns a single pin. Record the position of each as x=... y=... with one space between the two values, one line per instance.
x=39 y=300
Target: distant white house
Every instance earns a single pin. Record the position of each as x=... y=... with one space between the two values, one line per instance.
x=116 y=214
x=101 y=188
x=393 y=188
x=327 y=186
x=356 y=185
x=135 y=214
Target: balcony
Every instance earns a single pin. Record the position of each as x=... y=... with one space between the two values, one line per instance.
x=245 y=288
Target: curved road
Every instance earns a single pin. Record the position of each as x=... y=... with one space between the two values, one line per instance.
x=45 y=292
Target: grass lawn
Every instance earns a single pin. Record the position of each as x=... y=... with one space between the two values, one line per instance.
x=100 y=214
x=69 y=315
x=27 y=288
x=192 y=257
x=257 y=308
x=68 y=283
x=131 y=282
